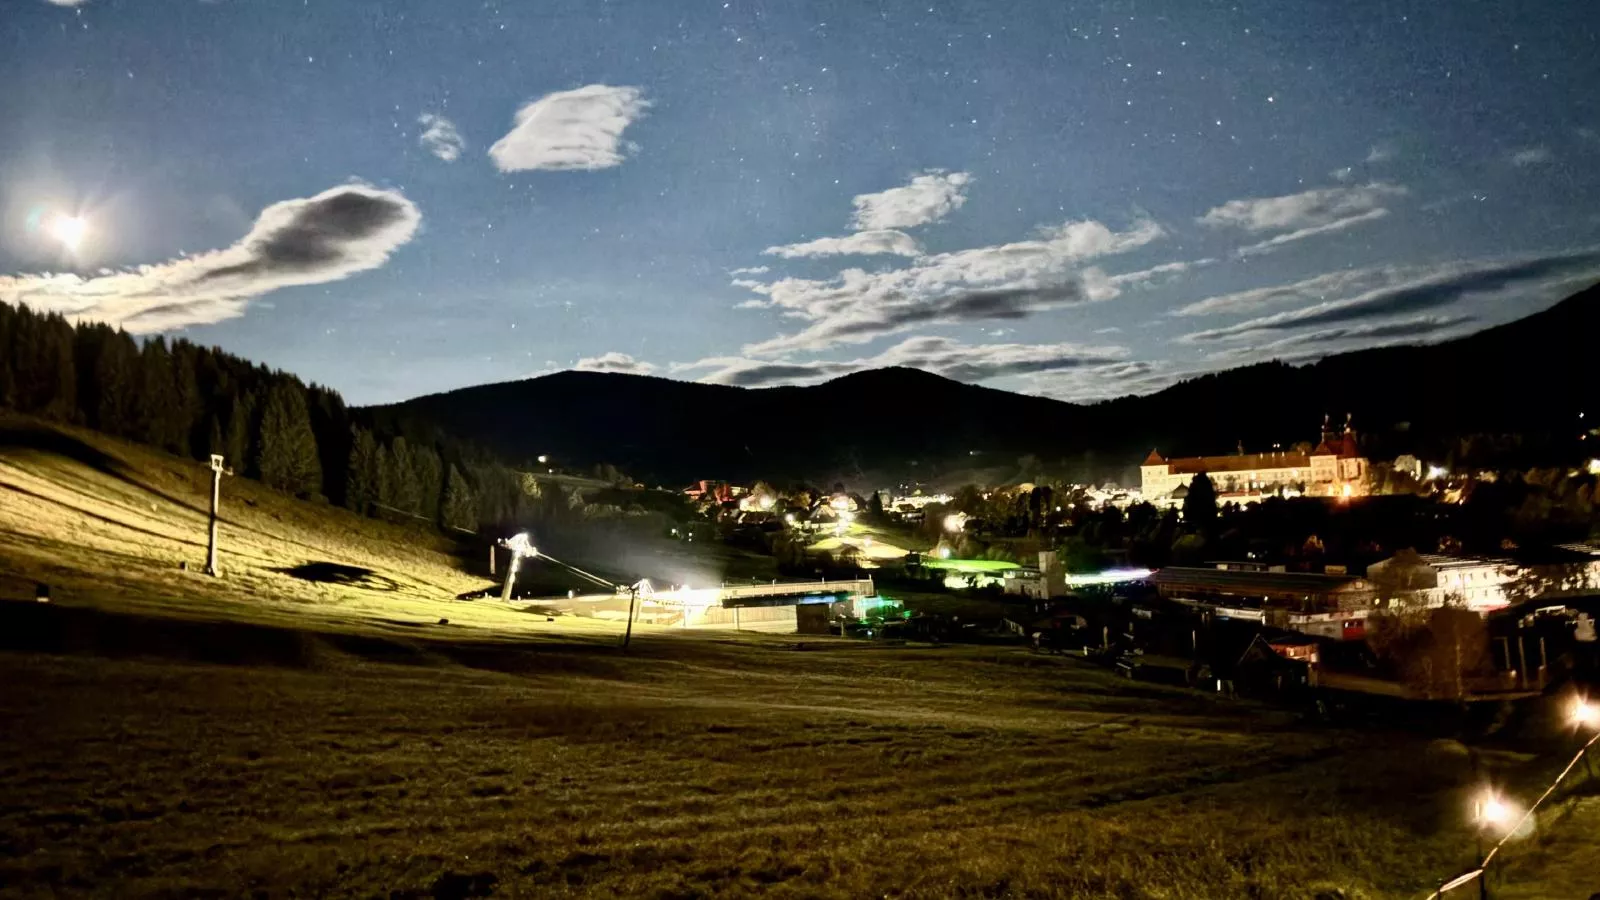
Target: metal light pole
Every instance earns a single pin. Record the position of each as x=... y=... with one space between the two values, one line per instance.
x=216 y=499
x=633 y=596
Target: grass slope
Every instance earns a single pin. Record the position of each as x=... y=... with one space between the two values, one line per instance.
x=166 y=734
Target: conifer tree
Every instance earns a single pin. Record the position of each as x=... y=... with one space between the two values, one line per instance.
x=361 y=485
x=288 y=448
x=459 y=508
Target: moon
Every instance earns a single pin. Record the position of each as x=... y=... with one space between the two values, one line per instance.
x=69 y=230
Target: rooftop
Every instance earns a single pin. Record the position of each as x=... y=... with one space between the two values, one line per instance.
x=1237 y=581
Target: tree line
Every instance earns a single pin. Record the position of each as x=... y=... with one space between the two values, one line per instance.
x=269 y=425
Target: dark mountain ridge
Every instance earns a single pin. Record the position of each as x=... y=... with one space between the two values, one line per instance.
x=1528 y=378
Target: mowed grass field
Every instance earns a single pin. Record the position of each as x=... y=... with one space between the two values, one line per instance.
x=166 y=734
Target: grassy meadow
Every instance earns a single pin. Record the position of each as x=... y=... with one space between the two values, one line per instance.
x=294 y=731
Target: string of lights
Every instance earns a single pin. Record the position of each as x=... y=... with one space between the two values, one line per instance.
x=1492 y=811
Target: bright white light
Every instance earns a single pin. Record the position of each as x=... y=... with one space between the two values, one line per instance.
x=543 y=460
x=840 y=502
x=1594 y=467
x=955 y=522
x=1585 y=713
x=69 y=230
x=521 y=546
x=789 y=518
x=1437 y=472
x=1495 y=812
x=944 y=552
x=765 y=502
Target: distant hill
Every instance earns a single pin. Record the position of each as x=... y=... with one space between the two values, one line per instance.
x=1530 y=378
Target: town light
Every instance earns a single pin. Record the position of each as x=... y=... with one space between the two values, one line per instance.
x=765 y=502
x=955 y=522
x=1585 y=713
x=543 y=459
x=1437 y=472
x=944 y=552
x=1494 y=811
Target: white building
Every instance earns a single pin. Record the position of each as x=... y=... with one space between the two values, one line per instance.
x=1484 y=583
x=1335 y=468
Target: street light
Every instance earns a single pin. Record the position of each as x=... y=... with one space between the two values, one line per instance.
x=1585 y=713
x=1494 y=812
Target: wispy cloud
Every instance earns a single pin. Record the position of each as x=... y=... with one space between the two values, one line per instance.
x=440 y=137
x=614 y=362
x=1532 y=156
x=751 y=270
x=943 y=356
x=928 y=198
x=1273 y=243
x=1380 y=153
x=1307 y=209
x=1314 y=344
x=1315 y=288
x=315 y=240
x=1342 y=174
x=579 y=129
x=861 y=243
x=1005 y=281
x=1433 y=289
x=1155 y=274
x=67 y=3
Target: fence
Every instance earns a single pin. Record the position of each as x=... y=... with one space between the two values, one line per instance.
x=1480 y=874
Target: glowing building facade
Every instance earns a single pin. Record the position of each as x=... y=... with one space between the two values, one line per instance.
x=1334 y=468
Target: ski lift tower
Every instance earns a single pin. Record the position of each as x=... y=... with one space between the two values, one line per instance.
x=520 y=546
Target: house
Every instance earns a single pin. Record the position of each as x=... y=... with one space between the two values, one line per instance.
x=1046 y=580
x=1484 y=583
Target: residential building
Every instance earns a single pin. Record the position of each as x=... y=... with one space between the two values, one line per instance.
x=1483 y=583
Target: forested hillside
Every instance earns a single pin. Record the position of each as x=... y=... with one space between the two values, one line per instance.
x=269 y=425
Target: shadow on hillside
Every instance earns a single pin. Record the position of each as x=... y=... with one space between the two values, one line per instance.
x=49 y=440
x=52 y=441
x=54 y=628
x=341 y=574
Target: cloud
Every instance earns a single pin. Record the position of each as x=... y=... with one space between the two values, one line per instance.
x=1417 y=327
x=1273 y=243
x=751 y=270
x=67 y=3
x=1315 y=288
x=614 y=362
x=440 y=137
x=928 y=198
x=1343 y=174
x=1005 y=281
x=315 y=240
x=570 y=130
x=1145 y=277
x=862 y=243
x=1435 y=288
x=1306 y=210
x=942 y=356
x=1532 y=156
x=1379 y=154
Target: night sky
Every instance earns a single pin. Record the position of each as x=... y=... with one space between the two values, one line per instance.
x=1078 y=200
